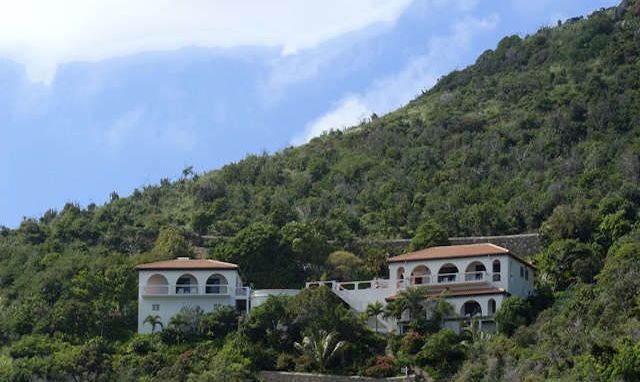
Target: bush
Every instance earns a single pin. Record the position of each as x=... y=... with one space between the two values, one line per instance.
x=513 y=313
x=382 y=367
x=442 y=354
x=427 y=235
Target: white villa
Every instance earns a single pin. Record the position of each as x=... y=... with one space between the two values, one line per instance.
x=164 y=287
x=473 y=278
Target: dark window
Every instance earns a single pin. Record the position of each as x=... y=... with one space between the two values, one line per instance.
x=521 y=271
x=496 y=270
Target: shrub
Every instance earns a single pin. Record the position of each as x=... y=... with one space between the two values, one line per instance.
x=382 y=367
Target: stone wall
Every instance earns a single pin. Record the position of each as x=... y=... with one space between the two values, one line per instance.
x=522 y=245
x=281 y=376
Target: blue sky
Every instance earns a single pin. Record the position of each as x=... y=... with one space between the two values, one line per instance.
x=98 y=97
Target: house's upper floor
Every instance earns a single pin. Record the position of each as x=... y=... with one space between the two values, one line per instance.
x=466 y=266
x=186 y=277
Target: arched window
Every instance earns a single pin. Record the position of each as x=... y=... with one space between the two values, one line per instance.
x=420 y=275
x=157 y=284
x=475 y=271
x=496 y=270
x=471 y=308
x=187 y=284
x=448 y=273
x=400 y=273
x=491 y=307
x=217 y=284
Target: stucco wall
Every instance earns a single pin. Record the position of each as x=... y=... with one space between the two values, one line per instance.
x=170 y=305
x=279 y=376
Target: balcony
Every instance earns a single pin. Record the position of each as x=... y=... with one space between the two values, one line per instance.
x=184 y=290
x=449 y=278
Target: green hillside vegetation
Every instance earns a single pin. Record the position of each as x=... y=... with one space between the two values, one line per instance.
x=540 y=134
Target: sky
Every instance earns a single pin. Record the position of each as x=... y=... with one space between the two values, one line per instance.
x=103 y=96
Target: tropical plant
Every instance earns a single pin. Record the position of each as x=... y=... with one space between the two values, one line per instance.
x=153 y=320
x=410 y=300
x=320 y=347
x=375 y=310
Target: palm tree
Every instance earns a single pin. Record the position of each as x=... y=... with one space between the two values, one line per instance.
x=410 y=299
x=153 y=320
x=321 y=348
x=375 y=310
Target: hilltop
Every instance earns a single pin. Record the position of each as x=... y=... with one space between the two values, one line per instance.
x=541 y=133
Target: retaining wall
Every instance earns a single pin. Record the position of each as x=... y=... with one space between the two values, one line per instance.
x=282 y=376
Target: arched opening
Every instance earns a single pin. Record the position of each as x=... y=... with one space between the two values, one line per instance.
x=157 y=284
x=491 y=307
x=187 y=284
x=475 y=271
x=496 y=270
x=216 y=284
x=400 y=277
x=471 y=308
x=420 y=275
x=448 y=273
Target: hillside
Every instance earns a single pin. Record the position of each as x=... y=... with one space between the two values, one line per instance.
x=541 y=133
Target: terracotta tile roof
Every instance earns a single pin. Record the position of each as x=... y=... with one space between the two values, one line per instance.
x=451 y=251
x=458 y=292
x=185 y=263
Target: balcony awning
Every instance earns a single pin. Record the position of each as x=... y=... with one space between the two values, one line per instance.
x=458 y=292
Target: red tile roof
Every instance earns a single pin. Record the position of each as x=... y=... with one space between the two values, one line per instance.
x=452 y=251
x=181 y=263
x=458 y=292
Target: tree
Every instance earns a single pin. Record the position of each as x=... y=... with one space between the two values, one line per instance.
x=514 y=312
x=220 y=322
x=375 y=310
x=154 y=321
x=410 y=300
x=345 y=265
x=442 y=354
x=566 y=262
x=261 y=256
x=429 y=234
x=320 y=347
x=171 y=244
x=308 y=245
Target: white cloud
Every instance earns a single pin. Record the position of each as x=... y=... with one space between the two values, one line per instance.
x=350 y=111
x=442 y=54
x=133 y=127
x=42 y=34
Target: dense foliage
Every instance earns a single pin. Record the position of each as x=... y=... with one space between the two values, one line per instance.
x=542 y=133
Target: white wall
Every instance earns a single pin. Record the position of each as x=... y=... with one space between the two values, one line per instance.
x=461 y=263
x=171 y=304
x=519 y=285
x=259 y=296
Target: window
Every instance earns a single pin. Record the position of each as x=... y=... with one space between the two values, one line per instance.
x=492 y=306
x=496 y=270
x=155 y=307
x=521 y=271
x=526 y=274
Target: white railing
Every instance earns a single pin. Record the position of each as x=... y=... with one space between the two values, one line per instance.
x=415 y=281
x=449 y=278
x=242 y=291
x=350 y=285
x=187 y=290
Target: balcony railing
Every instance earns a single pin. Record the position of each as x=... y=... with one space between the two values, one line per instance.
x=449 y=278
x=191 y=290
